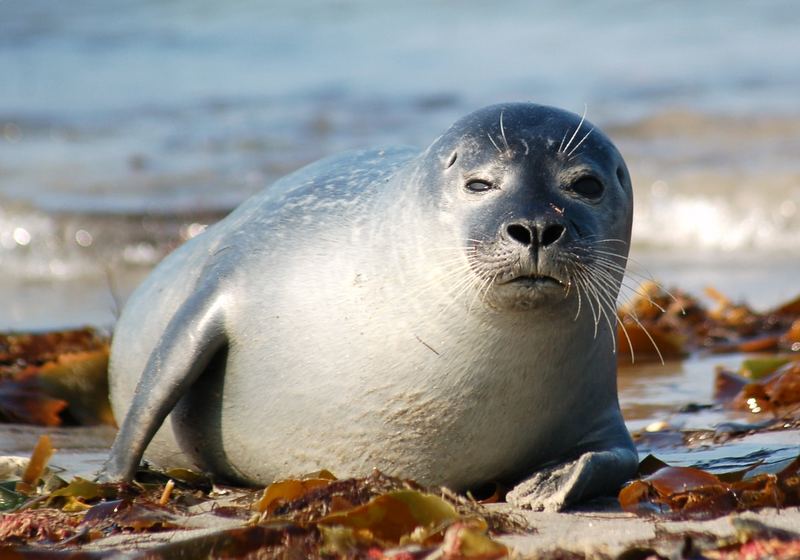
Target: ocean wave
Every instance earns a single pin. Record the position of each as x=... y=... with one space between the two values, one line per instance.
x=39 y=245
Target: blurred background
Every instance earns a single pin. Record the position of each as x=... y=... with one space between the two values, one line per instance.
x=128 y=126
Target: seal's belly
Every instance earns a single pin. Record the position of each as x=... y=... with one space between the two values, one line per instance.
x=422 y=421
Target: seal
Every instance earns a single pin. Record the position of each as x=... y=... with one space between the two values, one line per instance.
x=444 y=315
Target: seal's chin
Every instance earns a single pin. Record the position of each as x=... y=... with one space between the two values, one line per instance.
x=534 y=281
x=526 y=292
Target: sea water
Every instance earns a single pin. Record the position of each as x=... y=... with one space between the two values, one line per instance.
x=127 y=126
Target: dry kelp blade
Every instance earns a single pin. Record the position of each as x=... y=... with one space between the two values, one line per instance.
x=47 y=525
x=183 y=478
x=80 y=379
x=790 y=308
x=54 y=377
x=758 y=368
x=390 y=517
x=466 y=540
x=672 y=489
x=76 y=495
x=691 y=490
x=22 y=401
x=650 y=464
x=285 y=491
x=649 y=342
x=38 y=348
x=686 y=325
x=145 y=516
x=791 y=338
x=775 y=392
x=36 y=466
x=9 y=498
x=284 y=541
x=727 y=384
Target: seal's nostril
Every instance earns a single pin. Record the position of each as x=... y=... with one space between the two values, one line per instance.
x=520 y=233
x=552 y=233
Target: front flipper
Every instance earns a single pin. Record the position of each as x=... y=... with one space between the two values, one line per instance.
x=593 y=474
x=192 y=337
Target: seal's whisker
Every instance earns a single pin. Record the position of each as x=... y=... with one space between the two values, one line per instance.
x=632 y=314
x=471 y=283
x=580 y=274
x=569 y=272
x=464 y=282
x=565 y=274
x=609 y=264
x=503 y=133
x=617 y=321
x=456 y=267
x=583 y=118
x=628 y=338
x=454 y=248
x=628 y=259
x=485 y=291
x=596 y=239
x=611 y=255
x=578 y=292
x=647 y=334
x=608 y=261
x=633 y=290
x=619 y=261
x=599 y=315
x=578 y=145
x=477 y=295
x=560 y=146
x=590 y=290
x=499 y=151
x=607 y=272
x=609 y=287
x=459 y=251
x=596 y=251
x=613 y=267
x=525 y=143
x=645 y=276
x=606 y=287
x=608 y=310
x=602 y=297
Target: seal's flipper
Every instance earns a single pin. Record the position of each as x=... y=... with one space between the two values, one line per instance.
x=195 y=333
x=593 y=474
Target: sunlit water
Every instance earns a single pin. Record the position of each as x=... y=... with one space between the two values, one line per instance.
x=125 y=127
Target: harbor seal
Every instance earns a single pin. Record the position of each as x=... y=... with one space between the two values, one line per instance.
x=444 y=315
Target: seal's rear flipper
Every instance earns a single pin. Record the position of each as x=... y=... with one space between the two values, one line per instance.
x=593 y=474
x=195 y=333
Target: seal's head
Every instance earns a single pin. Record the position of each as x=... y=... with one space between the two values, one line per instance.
x=542 y=201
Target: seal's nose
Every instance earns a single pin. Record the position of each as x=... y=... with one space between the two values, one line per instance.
x=543 y=234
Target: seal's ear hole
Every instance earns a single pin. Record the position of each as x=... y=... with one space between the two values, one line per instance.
x=620 y=175
x=452 y=160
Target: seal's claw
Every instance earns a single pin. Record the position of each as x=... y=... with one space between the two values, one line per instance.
x=593 y=474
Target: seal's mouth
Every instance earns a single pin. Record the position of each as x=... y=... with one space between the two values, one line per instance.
x=534 y=281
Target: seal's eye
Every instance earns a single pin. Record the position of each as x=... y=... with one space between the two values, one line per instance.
x=476 y=185
x=588 y=187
